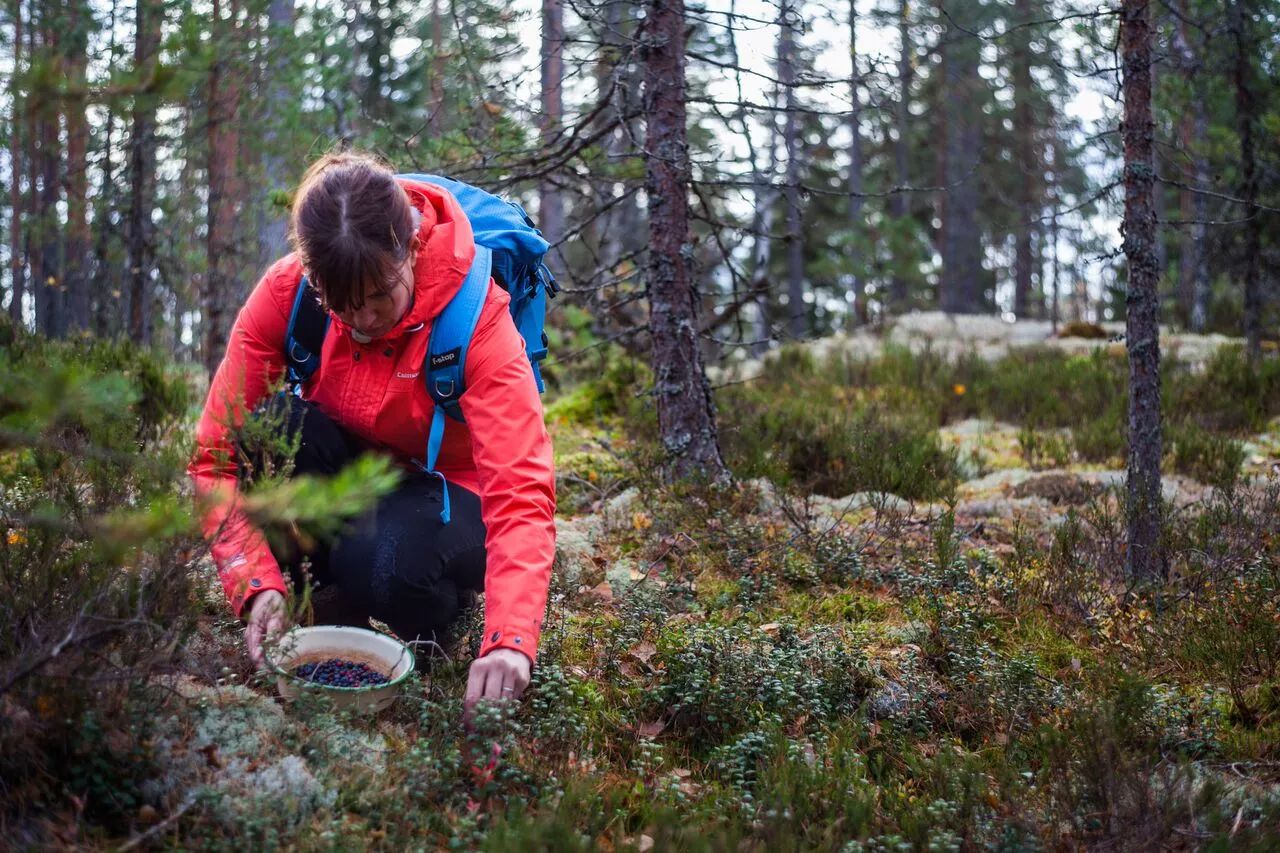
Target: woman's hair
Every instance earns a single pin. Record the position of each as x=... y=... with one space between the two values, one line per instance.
x=351 y=226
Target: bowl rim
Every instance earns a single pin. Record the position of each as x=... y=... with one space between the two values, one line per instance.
x=313 y=685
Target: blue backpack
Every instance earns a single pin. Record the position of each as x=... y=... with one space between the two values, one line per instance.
x=511 y=250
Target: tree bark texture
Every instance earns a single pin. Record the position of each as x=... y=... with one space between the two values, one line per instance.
x=961 y=236
x=17 y=263
x=106 y=288
x=1024 y=144
x=49 y=286
x=221 y=290
x=76 y=293
x=1143 y=558
x=857 y=301
x=273 y=232
x=797 y=325
x=1241 y=22
x=1193 y=126
x=142 y=173
x=686 y=411
x=901 y=203
x=551 y=202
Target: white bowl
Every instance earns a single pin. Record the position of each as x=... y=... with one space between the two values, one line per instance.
x=381 y=652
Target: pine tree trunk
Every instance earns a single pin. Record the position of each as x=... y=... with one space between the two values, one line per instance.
x=550 y=201
x=901 y=204
x=797 y=326
x=273 y=231
x=611 y=78
x=1241 y=23
x=1055 y=270
x=857 y=303
x=31 y=239
x=142 y=173
x=105 y=295
x=1027 y=182
x=76 y=303
x=686 y=411
x=49 y=287
x=961 y=238
x=221 y=289
x=17 y=209
x=1200 y=227
x=1143 y=558
x=435 y=114
x=1193 y=127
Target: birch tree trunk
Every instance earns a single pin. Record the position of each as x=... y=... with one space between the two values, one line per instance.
x=1142 y=557
x=686 y=411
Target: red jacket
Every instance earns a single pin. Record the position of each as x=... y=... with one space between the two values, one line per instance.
x=502 y=453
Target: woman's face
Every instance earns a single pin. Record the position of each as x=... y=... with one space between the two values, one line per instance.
x=383 y=307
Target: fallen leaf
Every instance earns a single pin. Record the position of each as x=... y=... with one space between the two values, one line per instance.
x=645 y=844
x=652 y=729
x=644 y=651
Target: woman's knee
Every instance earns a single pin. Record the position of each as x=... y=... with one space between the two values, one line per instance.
x=409 y=568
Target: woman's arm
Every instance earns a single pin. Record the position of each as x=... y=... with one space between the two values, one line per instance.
x=253 y=362
x=512 y=453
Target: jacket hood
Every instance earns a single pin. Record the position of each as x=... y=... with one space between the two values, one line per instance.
x=444 y=256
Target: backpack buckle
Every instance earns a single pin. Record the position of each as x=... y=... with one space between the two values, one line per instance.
x=440 y=392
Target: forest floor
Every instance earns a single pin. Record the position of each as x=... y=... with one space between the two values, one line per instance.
x=936 y=651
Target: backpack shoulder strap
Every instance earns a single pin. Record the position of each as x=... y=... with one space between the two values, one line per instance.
x=447 y=358
x=304 y=339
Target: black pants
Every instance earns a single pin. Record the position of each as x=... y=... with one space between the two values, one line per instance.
x=398 y=562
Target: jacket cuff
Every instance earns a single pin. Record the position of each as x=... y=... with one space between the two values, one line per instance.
x=509 y=637
x=246 y=588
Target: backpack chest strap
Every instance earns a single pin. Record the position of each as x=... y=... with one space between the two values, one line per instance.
x=444 y=370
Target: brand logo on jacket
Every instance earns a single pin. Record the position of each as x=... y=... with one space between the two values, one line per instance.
x=403 y=375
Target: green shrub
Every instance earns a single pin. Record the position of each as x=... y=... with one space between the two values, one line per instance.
x=807 y=439
x=100 y=562
x=720 y=681
x=1208 y=457
x=1229 y=395
x=1105 y=437
x=1044 y=448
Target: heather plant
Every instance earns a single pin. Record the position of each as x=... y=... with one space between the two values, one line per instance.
x=1206 y=456
x=721 y=680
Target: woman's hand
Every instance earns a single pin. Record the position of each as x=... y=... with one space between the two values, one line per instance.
x=501 y=674
x=266 y=619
